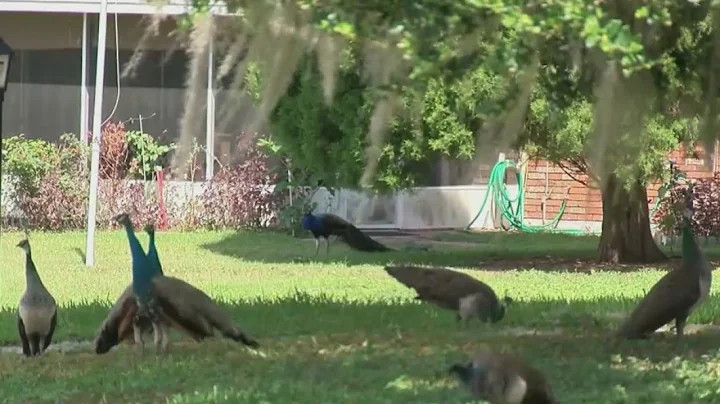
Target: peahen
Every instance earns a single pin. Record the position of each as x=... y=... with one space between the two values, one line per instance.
x=184 y=307
x=503 y=379
x=37 y=311
x=326 y=224
x=452 y=290
x=143 y=272
x=677 y=294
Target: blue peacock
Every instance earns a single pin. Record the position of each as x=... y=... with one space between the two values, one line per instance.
x=326 y=224
x=183 y=307
x=143 y=272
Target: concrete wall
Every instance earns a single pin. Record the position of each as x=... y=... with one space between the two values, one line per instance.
x=450 y=207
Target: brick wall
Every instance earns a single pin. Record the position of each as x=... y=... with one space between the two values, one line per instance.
x=584 y=203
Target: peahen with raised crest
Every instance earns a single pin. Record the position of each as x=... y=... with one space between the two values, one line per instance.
x=504 y=379
x=143 y=272
x=326 y=224
x=452 y=290
x=37 y=311
x=184 y=308
x=677 y=294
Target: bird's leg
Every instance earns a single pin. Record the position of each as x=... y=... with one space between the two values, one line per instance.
x=317 y=246
x=166 y=337
x=680 y=326
x=137 y=331
x=160 y=334
x=158 y=328
x=327 y=246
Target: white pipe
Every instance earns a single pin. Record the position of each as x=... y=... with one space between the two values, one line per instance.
x=96 y=135
x=210 y=117
x=83 y=84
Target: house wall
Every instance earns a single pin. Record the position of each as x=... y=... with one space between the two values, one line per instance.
x=43 y=97
x=171 y=7
x=584 y=207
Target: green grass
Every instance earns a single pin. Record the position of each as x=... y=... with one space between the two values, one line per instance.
x=337 y=329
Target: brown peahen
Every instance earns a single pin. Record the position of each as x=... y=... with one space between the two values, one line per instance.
x=182 y=306
x=504 y=379
x=677 y=294
x=37 y=311
x=326 y=224
x=452 y=290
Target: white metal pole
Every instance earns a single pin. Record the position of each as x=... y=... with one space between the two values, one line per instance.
x=83 y=84
x=97 y=111
x=210 y=117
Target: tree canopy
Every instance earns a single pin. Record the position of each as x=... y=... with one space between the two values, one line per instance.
x=605 y=88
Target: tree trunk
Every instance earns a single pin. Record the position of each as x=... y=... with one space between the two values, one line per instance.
x=626 y=236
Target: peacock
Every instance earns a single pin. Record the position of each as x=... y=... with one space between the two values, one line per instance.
x=37 y=311
x=452 y=290
x=143 y=272
x=677 y=294
x=504 y=379
x=326 y=224
x=184 y=308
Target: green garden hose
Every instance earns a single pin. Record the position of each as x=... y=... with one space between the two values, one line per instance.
x=514 y=215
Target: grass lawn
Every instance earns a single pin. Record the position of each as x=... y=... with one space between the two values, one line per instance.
x=337 y=329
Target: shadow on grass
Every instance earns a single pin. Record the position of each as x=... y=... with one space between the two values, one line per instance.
x=316 y=349
x=277 y=248
x=497 y=251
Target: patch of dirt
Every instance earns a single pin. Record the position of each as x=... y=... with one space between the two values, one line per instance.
x=575 y=265
x=421 y=240
x=63 y=346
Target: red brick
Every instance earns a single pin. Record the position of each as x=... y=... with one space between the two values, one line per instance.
x=585 y=203
x=535 y=176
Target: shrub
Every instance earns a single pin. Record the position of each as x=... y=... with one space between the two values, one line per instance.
x=145 y=154
x=59 y=202
x=136 y=198
x=55 y=206
x=26 y=162
x=51 y=182
x=241 y=196
x=706 y=206
x=290 y=214
x=114 y=156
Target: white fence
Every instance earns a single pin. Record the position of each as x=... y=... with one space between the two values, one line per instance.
x=451 y=207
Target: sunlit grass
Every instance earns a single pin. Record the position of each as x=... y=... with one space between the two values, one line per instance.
x=337 y=329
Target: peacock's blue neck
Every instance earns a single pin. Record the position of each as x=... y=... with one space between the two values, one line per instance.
x=690 y=248
x=140 y=275
x=309 y=222
x=152 y=256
